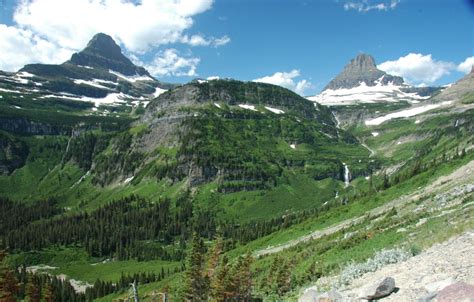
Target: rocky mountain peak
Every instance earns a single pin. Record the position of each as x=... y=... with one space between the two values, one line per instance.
x=102 y=52
x=362 y=69
x=362 y=62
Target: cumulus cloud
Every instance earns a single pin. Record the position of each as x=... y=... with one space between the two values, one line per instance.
x=19 y=47
x=364 y=6
x=286 y=79
x=171 y=63
x=466 y=66
x=198 y=40
x=417 y=68
x=66 y=26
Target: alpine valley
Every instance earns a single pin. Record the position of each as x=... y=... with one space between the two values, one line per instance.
x=224 y=190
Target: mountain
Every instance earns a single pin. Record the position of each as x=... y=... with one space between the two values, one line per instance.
x=362 y=69
x=102 y=52
x=100 y=74
x=362 y=82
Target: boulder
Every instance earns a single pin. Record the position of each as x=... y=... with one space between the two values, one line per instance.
x=439 y=285
x=312 y=295
x=459 y=292
x=309 y=296
x=379 y=290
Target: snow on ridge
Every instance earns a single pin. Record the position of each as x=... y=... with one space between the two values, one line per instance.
x=274 y=110
x=131 y=79
x=25 y=74
x=404 y=113
x=8 y=90
x=365 y=94
x=248 y=107
x=159 y=91
x=90 y=83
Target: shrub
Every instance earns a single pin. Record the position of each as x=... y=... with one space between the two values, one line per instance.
x=381 y=258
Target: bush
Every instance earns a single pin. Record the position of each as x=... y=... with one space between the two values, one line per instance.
x=381 y=258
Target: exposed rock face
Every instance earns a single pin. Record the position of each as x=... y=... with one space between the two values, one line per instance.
x=459 y=291
x=379 y=289
x=103 y=52
x=362 y=69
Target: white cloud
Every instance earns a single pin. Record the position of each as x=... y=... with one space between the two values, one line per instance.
x=198 y=40
x=467 y=65
x=213 y=78
x=286 y=79
x=57 y=27
x=19 y=47
x=417 y=68
x=171 y=63
x=364 y=6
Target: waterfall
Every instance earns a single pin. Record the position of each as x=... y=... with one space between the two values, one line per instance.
x=347 y=175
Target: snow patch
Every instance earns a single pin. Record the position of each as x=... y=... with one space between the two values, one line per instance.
x=365 y=94
x=293 y=146
x=8 y=90
x=86 y=67
x=274 y=110
x=248 y=107
x=218 y=105
x=90 y=83
x=375 y=134
x=126 y=181
x=131 y=79
x=159 y=91
x=25 y=74
x=404 y=113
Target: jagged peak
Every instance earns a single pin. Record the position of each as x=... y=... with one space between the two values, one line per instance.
x=360 y=69
x=103 y=52
x=362 y=62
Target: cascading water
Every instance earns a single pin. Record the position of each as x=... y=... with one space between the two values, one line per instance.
x=347 y=175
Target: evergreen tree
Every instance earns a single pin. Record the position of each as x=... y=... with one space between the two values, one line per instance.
x=8 y=283
x=33 y=292
x=197 y=283
x=218 y=290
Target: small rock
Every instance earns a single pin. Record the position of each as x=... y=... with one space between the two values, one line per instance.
x=439 y=285
x=458 y=291
x=309 y=296
x=330 y=296
x=428 y=297
x=379 y=289
x=312 y=295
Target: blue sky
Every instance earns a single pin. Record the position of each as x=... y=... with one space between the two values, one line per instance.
x=300 y=44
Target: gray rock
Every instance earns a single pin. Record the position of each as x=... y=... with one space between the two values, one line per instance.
x=459 y=291
x=439 y=285
x=313 y=295
x=309 y=296
x=380 y=289
x=428 y=297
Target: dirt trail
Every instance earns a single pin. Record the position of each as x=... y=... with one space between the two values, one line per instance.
x=462 y=175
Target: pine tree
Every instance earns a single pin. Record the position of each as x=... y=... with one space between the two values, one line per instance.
x=48 y=294
x=33 y=292
x=8 y=283
x=197 y=284
x=218 y=290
